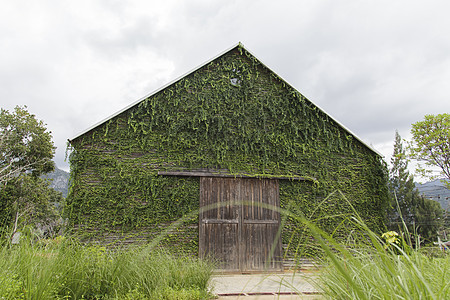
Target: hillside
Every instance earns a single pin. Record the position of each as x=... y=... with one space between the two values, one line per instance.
x=60 y=181
x=437 y=191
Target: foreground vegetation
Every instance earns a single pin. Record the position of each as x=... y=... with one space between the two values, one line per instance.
x=387 y=269
x=387 y=276
x=63 y=269
x=365 y=265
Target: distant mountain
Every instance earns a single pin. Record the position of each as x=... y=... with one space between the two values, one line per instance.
x=437 y=191
x=60 y=181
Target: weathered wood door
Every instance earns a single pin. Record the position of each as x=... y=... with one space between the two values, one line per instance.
x=237 y=229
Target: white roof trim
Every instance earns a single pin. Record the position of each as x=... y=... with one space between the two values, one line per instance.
x=199 y=67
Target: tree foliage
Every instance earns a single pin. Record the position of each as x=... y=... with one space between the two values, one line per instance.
x=419 y=214
x=26 y=151
x=431 y=144
x=401 y=185
x=29 y=200
x=25 y=145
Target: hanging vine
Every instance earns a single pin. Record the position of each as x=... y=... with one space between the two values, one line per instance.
x=233 y=114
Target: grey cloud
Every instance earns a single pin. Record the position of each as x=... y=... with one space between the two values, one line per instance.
x=375 y=67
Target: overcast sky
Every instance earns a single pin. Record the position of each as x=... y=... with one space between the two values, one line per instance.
x=375 y=66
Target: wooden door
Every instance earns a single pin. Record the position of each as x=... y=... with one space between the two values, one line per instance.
x=236 y=228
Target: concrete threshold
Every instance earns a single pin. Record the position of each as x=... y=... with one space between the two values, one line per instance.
x=265 y=286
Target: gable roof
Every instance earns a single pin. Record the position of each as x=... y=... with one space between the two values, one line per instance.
x=198 y=68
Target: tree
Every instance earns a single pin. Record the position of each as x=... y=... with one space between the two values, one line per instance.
x=428 y=217
x=420 y=215
x=431 y=144
x=25 y=145
x=26 y=151
x=29 y=200
x=401 y=186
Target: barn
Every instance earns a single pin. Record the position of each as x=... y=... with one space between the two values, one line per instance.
x=213 y=159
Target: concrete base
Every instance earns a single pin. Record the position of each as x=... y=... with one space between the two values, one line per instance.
x=265 y=286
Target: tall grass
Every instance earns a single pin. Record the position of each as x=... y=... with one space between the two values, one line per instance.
x=62 y=269
x=384 y=275
x=65 y=269
x=376 y=269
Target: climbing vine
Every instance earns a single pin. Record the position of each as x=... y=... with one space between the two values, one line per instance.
x=234 y=114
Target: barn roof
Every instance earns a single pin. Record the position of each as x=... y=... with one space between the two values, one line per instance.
x=201 y=66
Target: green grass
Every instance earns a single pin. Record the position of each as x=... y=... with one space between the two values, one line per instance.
x=360 y=266
x=378 y=269
x=61 y=269
x=385 y=275
x=364 y=266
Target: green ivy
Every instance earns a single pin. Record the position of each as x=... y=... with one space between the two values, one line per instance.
x=234 y=114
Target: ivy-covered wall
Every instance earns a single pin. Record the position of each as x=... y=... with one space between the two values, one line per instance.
x=233 y=113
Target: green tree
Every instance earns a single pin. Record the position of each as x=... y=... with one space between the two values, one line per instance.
x=420 y=215
x=25 y=145
x=26 y=151
x=431 y=144
x=401 y=186
x=29 y=200
x=428 y=217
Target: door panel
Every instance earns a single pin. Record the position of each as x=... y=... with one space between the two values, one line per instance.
x=236 y=228
x=260 y=250
x=220 y=242
x=219 y=222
